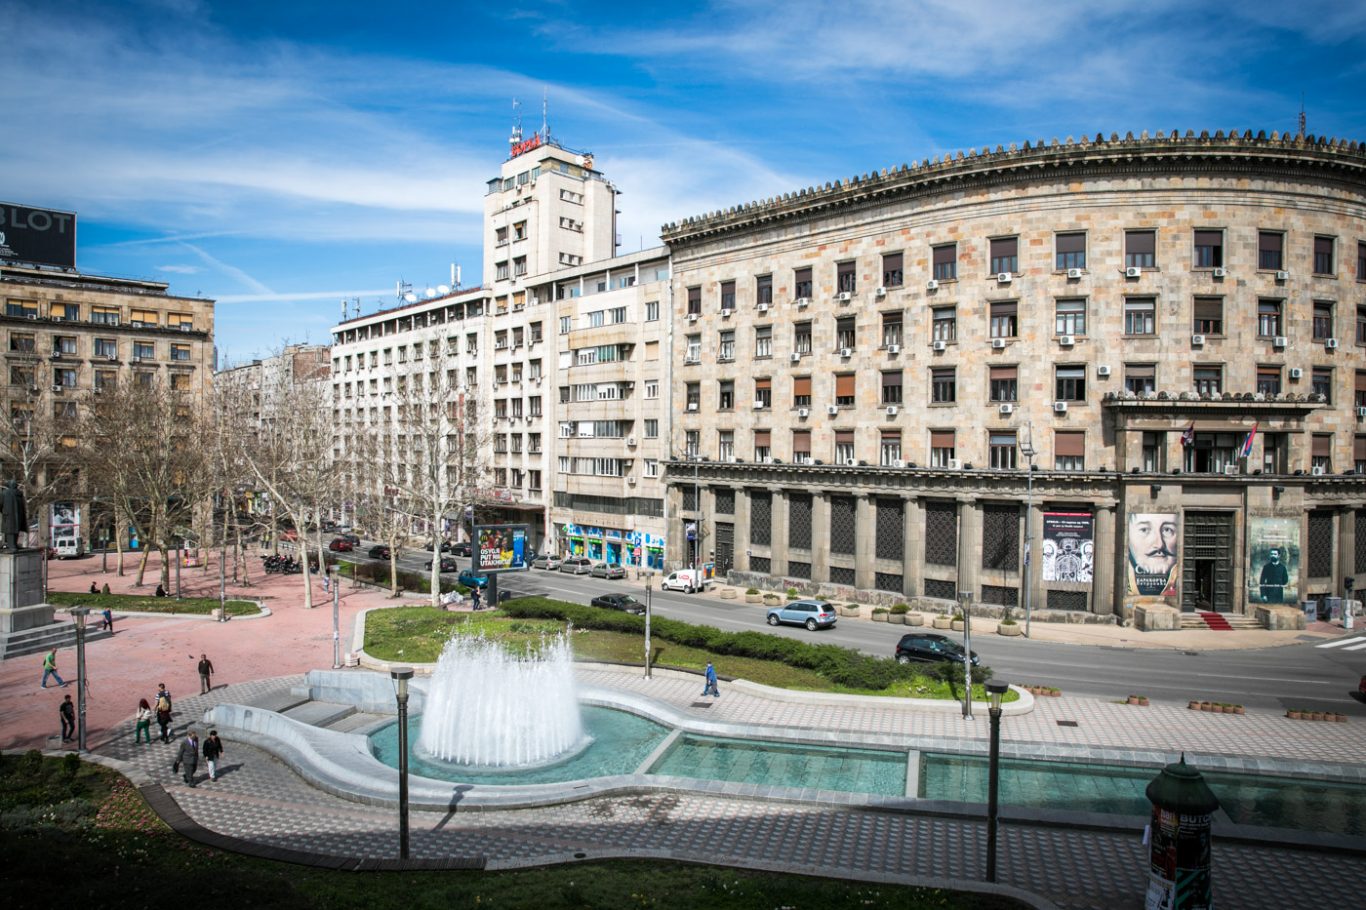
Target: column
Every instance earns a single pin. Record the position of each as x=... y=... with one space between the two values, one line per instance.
x=865 y=542
x=742 y=546
x=913 y=547
x=1104 y=597
x=1032 y=573
x=1347 y=549
x=969 y=546
x=779 y=532
x=820 y=536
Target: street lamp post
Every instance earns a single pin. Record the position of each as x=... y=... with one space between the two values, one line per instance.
x=1028 y=451
x=336 y=607
x=649 y=597
x=697 y=522
x=400 y=677
x=995 y=691
x=965 y=604
x=80 y=614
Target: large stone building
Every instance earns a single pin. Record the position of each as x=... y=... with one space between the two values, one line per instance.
x=1142 y=360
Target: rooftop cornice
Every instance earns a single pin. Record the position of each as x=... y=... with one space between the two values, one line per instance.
x=1167 y=151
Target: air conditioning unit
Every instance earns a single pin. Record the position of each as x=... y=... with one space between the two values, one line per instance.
x=1197 y=341
x=56 y=355
x=880 y=292
x=1296 y=373
x=1318 y=470
x=796 y=357
x=998 y=344
x=804 y=413
x=932 y=285
x=832 y=410
x=1074 y=273
x=113 y=356
x=630 y=440
x=1361 y=412
x=763 y=308
x=692 y=317
x=1221 y=273
x=1059 y=407
x=893 y=349
x=954 y=464
x=1231 y=469
x=57 y=388
x=850 y=462
x=518 y=307
x=1331 y=344
x=1133 y=271
x=891 y=410
x=846 y=352
x=1066 y=340
x=1102 y=370
x=844 y=296
x=1004 y=277
x=1282 y=276
x=758 y=405
x=725 y=314
x=34 y=316
x=1006 y=409
x=938 y=346
x=692 y=406
x=802 y=302
x=1280 y=341
x=630 y=480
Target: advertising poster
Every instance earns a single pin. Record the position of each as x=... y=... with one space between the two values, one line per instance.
x=500 y=548
x=64 y=519
x=1069 y=548
x=1273 y=552
x=1152 y=554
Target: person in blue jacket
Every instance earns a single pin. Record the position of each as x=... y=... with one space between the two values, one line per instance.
x=710 y=688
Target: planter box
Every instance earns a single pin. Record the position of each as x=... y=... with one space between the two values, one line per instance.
x=880 y=617
x=848 y=611
x=957 y=624
x=754 y=598
x=898 y=618
x=942 y=622
x=772 y=601
x=915 y=619
x=1010 y=630
x=727 y=593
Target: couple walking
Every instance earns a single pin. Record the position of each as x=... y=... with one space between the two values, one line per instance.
x=187 y=759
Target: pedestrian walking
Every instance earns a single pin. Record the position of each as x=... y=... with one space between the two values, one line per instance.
x=143 y=726
x=187 y=759
x=205 y=674
x=163 y=711
x=108 y=621
x=709 y=688
x=50 y=668
x=68 y=712
x=213 y=749
x=474 y=598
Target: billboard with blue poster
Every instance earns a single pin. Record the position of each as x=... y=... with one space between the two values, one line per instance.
x=500 y=548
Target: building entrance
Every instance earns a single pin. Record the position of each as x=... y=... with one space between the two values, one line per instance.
x=725 y=548
x=1207 y=562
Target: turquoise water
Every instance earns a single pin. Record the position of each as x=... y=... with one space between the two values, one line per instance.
x=873 y=771
x=1277 y=802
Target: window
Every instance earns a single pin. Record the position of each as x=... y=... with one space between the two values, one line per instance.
x=1069 y=383
x=1209 y=380
x=1001 y=449
x=801 y=391
x=652 y=311
x=180 y=352
x=100 y=315
x=943 y=385
x=65 y=344
x=1359 y=399
x=1270 y=250
x=1321 y=455
x=942 y=448
x=1003 y=383
x=65 y=378
x=946 y=262
x=763 y=392
x=70 y=312
x=891 y=270
x=105 y=379
x=1210 y=453
x=889 y=452
x=944 y=324
x=1070 y=316
x=801 y=446
x=763 y=341
x=1323 y=256
x=891 y=387
x=1003 y=319
x=1140 y=249
x=1269 y=379
x=693 y=354
x=695 y=301
x=801 y=338
x=1069 y=251
x=1209 y=316
x=763 y=289
x=844 y=447
x=1275 y=453
x=651 y=428
x=1361 y=260
x=1359 y=455
x=108 y=348
x=763 y=445
x=692 y=395
x=846 y=333
x=1321 y=383
x=801 y=283
x=846 y=279
x=23 y=343
x=1005 y=255
x=1069 y=451
x=1268 y=318
x=144 y=318
x=725 y=395
x=1140 y=378
x=891 y=328
x=501 y=271
x=1140 y=315
x=691 y=440
x=726 y=349
x=844 y=389
x=1323 y=320
x=143 y=350
x=519 y=265
x=725 y=444
x=728 y=295
x=1154 y=451
x=652 y=388
x=1209 y=249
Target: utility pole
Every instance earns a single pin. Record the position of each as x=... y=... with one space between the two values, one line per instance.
x=1028 y=451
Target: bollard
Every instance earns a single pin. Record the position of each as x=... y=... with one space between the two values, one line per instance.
x=1179 y=839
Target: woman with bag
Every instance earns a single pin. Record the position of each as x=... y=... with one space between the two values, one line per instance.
x=163 y=710
x=144 y=722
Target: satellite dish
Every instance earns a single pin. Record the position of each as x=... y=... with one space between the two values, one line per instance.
x=410 y=297
x=443 y=289
x=430 y=293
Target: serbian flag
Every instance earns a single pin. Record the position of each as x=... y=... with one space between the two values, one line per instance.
x=1188 y=435
x=1246 y=451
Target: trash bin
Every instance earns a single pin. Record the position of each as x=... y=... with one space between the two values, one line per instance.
x=1179 y=839
x=1311 y=610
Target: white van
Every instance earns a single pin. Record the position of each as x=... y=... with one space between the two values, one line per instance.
x=68 y=547
x=685 y=580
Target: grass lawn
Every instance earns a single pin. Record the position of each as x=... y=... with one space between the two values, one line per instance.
x=78 y=835
x=148 y=603
x=417 y=635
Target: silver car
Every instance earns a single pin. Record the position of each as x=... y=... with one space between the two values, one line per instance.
x=577 y=565
x=608 y=570
x=546 y=561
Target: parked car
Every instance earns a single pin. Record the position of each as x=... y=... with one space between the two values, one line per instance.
x=447 y=564
x=814 y=614
x=379 y=551
x=470 y=579
x=929 y=647
x=685 y=580
x=608 y=570
x=577 y=565
x=623 y=602
x=349 y=537
x=546 y=561
x=341 y=545
x=460 y=549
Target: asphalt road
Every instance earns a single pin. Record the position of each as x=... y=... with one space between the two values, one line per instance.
x=1292 y=676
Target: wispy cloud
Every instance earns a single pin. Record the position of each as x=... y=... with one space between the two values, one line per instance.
x=180 y=269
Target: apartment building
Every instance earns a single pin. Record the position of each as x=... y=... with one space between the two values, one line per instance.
x=1141 y=361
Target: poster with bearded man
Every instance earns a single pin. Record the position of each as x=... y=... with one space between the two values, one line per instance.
x=1153 y=558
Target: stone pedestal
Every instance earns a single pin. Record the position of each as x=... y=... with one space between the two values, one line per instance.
x=21 y=592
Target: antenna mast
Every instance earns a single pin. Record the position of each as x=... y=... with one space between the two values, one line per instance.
x=545 y=115
x=516 y=123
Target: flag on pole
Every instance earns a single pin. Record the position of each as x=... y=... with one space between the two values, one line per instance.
x=1246 y=451
x=1188 y=435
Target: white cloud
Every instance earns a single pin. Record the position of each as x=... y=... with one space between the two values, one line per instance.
x=180 y=269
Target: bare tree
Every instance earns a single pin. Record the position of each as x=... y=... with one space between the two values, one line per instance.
x=37 y=439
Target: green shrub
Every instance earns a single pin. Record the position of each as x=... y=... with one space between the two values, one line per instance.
x=900 y=609
x=957 y=617
x=792 y=594
x=751 y=590
x=879 y=609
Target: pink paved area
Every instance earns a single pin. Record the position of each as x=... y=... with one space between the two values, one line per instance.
x=147 y=650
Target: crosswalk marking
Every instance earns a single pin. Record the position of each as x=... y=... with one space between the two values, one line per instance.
x=1355 y=643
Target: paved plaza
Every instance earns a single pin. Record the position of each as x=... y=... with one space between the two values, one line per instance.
x=262 y=805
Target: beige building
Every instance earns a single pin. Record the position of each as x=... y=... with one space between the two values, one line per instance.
x=896 y=386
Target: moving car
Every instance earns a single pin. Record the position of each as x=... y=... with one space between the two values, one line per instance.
x=623 y=602
x=470 y=579
x=814 y=614
x=685 y=580
x=460 y=549
x=447 y=564
x=577 y=565
x=546 y=561
x=608 y=570
x=379 y=551
x=341 y=545
x=353 y=539
x=929 y=647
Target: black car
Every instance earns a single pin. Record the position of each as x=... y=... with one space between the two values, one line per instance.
x=460 y=549
x=379 y=551
x=447 y=564
x=624 y=602
x=927 y=647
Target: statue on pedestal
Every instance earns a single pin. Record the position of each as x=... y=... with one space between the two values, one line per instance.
x=14 y=520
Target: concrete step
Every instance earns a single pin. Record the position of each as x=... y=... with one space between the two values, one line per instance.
x=1238 y=621
x=360 y=722
x=319 y=713
x=43 y=638
x=279 y=702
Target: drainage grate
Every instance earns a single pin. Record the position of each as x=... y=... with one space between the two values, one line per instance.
x=1067 y=723
x=700 y=704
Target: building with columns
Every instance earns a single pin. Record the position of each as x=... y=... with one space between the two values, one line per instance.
x=1082 y=375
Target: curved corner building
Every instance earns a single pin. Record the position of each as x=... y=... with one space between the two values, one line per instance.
x=1141 y=360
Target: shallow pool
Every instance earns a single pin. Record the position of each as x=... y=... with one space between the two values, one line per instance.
x=875 y=771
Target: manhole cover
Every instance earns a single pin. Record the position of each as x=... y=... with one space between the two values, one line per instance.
x=701 y=704
x=1067 y=723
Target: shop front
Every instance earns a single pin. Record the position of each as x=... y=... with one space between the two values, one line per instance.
x=614 y=546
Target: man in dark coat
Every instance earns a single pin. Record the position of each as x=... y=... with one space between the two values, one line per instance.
x=187 y=759
x=68 y=712
x=15 y=514
x=1275 y=576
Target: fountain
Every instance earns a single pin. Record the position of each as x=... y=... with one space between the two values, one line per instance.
x=490 y=708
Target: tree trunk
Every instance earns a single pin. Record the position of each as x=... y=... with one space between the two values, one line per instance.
x=142 y=567
x=393 y=571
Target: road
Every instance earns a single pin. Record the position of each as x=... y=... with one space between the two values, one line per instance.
x=1293 y=676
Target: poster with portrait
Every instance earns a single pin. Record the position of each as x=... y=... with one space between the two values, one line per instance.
x=500 y=548
x=1152 y=559
x=64 y=522
x=1069 y=548
x=1273 y=553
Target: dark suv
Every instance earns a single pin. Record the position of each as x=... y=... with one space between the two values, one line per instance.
x=927 y=647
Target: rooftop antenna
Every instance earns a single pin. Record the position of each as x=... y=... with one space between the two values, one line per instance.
x=545 y=115
x=516 y=123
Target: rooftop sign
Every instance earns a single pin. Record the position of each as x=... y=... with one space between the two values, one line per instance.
x=37 y=236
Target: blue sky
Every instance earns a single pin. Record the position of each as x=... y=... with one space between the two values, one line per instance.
x=282 y=156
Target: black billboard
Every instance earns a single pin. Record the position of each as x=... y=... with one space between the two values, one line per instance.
x=37 y=236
